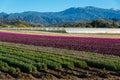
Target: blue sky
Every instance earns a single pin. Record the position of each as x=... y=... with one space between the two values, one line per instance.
x=12 y=6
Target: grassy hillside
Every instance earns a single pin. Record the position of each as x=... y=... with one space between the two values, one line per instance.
x=17 y=23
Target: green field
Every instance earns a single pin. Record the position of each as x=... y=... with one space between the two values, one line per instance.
x=16 y=59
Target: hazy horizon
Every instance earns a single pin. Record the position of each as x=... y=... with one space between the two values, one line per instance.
x=16 y=6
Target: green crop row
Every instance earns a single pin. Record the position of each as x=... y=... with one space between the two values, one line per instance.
x=42 y=60
x=6 y=68
x=32 y=61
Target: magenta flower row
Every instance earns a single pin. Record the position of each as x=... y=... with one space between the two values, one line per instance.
x=100 y=45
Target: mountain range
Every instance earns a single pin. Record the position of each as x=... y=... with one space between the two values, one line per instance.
x=68 y=15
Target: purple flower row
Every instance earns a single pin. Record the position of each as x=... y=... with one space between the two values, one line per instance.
x=100 y=45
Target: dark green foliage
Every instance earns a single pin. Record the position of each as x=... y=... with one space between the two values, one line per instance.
x=68 y=65
x=18 y=70
x=96 y=23
x=12 y=70
x=14 y=60
x=104 y=65
x=41 y=66
x=78 y=63
x=6 y=68
x=31 y=61
x=53 y=65
x=16 y=63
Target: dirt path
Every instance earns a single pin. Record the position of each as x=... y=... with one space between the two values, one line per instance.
x=64 y=74
x=64 y=34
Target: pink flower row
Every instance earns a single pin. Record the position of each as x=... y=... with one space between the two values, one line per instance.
x=99 y=45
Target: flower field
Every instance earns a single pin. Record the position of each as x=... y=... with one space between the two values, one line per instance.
x=99 y=45
x=28 y=56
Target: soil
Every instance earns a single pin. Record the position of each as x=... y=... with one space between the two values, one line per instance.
x=64 y=74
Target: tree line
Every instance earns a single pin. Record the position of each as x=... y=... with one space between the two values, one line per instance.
x=97 y=23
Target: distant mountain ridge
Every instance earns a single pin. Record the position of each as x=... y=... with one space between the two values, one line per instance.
x=68 y=15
